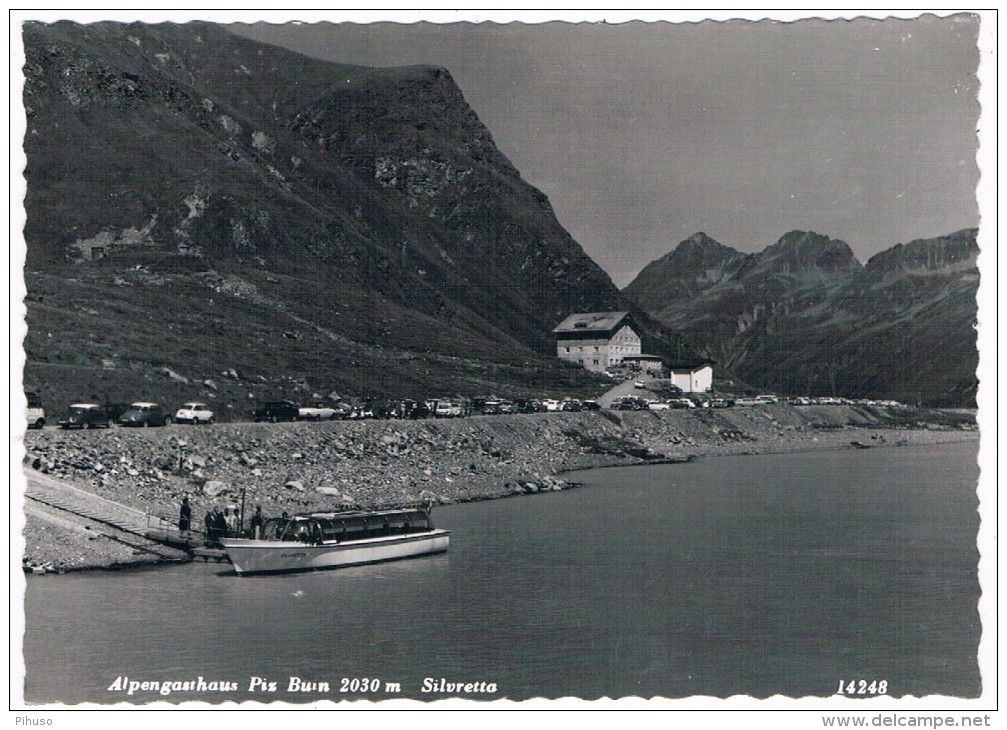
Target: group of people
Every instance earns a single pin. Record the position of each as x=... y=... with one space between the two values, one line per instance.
x=221 y=523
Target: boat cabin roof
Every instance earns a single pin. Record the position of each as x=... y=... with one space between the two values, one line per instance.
x=357 y=513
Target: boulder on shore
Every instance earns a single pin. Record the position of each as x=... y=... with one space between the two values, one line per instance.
x=215 y=488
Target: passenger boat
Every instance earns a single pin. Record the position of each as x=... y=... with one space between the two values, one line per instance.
x=322 y=540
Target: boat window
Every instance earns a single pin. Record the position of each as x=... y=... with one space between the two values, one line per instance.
x=301 y=530
x=314 y=535
x=331 y=529
x=398 y=523
x=272 y=529
x=356 y=528
x=419 y=521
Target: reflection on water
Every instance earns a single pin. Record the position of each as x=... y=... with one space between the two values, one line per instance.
x=736 y=575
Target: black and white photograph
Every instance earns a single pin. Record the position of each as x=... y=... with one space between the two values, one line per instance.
x=425 y=360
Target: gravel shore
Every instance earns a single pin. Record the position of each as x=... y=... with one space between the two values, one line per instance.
x=312 y=466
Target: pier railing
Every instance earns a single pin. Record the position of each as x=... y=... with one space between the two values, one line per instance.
x=160 y=522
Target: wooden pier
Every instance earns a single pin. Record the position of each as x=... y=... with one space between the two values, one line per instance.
x=124 y=524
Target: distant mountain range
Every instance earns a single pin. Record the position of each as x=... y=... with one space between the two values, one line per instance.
x=199 y=203
x=805 y=317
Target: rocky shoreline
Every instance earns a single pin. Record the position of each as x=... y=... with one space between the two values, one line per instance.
x=313 y=466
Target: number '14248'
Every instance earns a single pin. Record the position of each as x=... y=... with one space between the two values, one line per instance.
x=863 y=687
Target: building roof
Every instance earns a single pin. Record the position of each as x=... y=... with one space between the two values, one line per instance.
x=690 y=366
x=591 y=322
x=643 y=356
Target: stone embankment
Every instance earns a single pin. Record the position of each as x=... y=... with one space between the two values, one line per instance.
x=320 y=466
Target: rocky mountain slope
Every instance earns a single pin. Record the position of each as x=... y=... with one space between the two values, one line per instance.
x=805 y=317
x=199 y=203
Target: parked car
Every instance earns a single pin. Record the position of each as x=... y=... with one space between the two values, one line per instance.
x=682 y=403
x=591 y=405
x=277 y=410
x=317 y=412
x=658 y=405
x=409 y=408
x=194 y=413
x=143 y=414
x=447 y=409
x=35 y=413
x=530 y=406
x=86 y=415
x=629 y=403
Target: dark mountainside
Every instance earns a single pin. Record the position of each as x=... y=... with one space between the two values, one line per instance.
x=805 y=317
x=202 y=207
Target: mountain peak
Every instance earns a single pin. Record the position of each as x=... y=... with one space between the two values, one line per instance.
x=700 y=239
x=805 y=252
x=929 y=255
x=694 y=265
x=702 y=246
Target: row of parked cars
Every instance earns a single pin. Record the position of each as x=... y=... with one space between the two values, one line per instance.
x=144 y=413
x=832 y=401
x=285 y=410
x=636 y=403
x=140 y=413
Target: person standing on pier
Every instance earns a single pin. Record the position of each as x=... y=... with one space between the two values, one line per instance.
x=185 y=516
x=211 y=526
x=231 y=519
x=219 y=523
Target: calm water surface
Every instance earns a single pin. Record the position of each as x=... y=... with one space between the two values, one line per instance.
x=756 y=575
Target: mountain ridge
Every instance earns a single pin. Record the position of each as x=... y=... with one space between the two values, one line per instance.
x=803 y=316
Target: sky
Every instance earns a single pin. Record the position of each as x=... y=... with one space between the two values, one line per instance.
x=643 y=133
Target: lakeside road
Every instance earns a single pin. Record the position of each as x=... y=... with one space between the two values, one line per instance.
x=297 y=467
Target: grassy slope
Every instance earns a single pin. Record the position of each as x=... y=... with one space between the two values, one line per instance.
x=116 y=348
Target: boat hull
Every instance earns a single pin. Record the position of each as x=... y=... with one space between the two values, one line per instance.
x=270 y=556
